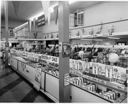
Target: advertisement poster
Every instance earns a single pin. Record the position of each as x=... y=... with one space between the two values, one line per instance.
x=66 y=49
x=11 y=34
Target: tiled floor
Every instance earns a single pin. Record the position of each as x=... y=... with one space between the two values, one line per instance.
x=13 y=88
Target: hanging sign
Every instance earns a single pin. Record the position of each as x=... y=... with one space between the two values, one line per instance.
x=40 y=20
x=50 y=58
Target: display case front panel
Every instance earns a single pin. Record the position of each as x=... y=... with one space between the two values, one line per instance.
x=52 y=85
x=79 y=95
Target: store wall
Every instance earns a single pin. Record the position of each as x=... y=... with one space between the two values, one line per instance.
x=11 y=25
x=105 y=12
x=52 y=27
x=108 y=12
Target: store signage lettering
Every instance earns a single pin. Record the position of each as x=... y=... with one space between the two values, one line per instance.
x=50 y=58
x=40 y=21
x=45 y=57
x=54 y=59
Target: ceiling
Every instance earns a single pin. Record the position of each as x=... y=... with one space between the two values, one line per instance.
x=83 y=5
x=23 y=10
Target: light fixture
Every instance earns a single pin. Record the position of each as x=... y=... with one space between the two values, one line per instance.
x=19 y=27
x=36 y=16
x=72 y=1
x=1 y=3
x=51 y=10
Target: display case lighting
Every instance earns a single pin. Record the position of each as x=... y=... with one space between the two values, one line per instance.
x=51 y=10
x=1 y=3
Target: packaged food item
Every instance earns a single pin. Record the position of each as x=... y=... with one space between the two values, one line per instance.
x=93 y=87
x=76 y=64
x=73 y=64
x=94 y=67
x=70 y=63
x=80 y=67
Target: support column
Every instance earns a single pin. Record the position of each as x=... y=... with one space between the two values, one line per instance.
x=29 y=28
x=64 y=89
x=34 y=31
x=0 y=23
x=6 y=31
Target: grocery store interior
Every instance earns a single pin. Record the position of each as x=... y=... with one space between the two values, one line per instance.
x=64 y=51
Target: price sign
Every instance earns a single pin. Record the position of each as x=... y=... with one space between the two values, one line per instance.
x=55 y=59
x=40 y=21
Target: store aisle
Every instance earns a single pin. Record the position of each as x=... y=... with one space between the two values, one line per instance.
x=13 y=88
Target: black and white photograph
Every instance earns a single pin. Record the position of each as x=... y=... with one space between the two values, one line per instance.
x=64 y=51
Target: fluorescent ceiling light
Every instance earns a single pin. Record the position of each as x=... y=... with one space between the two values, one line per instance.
x=1 y=2
x=36 y=16
x=19 y=27
x=1 y=5
x=51 y=10
x=72 y=1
